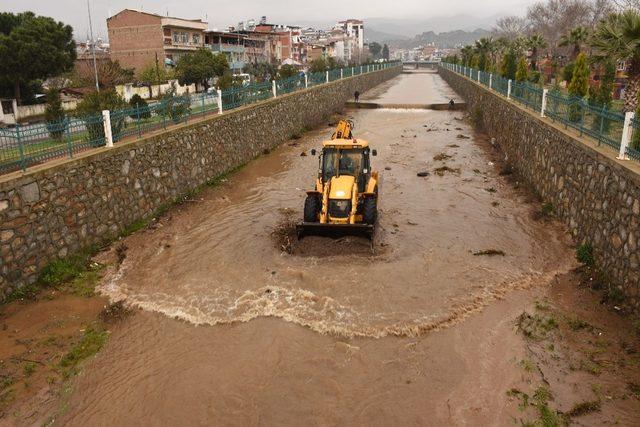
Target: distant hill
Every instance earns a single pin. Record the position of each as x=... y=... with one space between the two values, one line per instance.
x=449 y=39
x=373 y=35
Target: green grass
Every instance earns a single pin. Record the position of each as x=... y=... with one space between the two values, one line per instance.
x=584 y=254
x=548 y=209
x=91 y=342
x=577 y=324
x=28 y=368
x=536 y=326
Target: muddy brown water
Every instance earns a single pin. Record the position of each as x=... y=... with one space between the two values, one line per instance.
x=235 y=330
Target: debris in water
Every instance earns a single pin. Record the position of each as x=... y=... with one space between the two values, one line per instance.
x=412 y=223
x=453 y=146
x=423 y=174
x=489 y=252
x=115 y=312
x=441 y=157
x=461 y=136
x=387 y=168
x=459 y=129
x=304 y=153
x=491 y=190
x=495 y=204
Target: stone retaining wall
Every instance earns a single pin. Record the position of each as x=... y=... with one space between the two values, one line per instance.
x=57 y=209
x=596 y=196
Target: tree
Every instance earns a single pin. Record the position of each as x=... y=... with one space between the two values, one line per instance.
x=618 y=38
x=575 y=38
x=110 y=74
x=92 y=106
x=385 y=52
x=579 y=86
x=34 y=47
x=200 y=66
x=318 y=65
x=287 y=71
x=54 y=114
x=261 y=71
x=509 y=65
x=375 y=48
x=552 y=18
x=155 y=74
x=522 y=74
x=511 y=27
x=483 y=49
x=535 y=43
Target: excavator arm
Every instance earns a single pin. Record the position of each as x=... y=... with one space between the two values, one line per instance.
x=343 y=130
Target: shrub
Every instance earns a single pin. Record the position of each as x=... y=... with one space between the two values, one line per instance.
x=91 y=108
x=54 y=115
x=584 y=254
x=175 y=107
x=140 y=107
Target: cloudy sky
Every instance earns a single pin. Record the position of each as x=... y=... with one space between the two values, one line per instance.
x=221 y=14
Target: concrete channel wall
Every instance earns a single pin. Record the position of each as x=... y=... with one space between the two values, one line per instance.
x=54 y=210
x=596 y=196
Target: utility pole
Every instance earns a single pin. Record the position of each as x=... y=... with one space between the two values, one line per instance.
x=93 y=48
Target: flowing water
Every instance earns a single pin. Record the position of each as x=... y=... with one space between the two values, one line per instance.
x=236 y=330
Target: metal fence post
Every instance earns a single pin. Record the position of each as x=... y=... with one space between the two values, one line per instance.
x=543 y=109
x=306 y=80
x=341 y=73
x=219 y=101
x=326 y=76
x=490 y=81
x=137 y=107
x=23 y=162
x=203 y=104
x=274 y=88
x=67 y=132
x=106 y=121
x=627 y=132
x=509 y=89
x=479 y=74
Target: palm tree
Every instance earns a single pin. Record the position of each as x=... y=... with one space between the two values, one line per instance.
x=535 y=43
x=467 y=55
x=483 y=48
x=618 y=38
x=576 y=37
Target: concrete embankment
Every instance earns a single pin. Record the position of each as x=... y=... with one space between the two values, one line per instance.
x=597 y=196
x=56 y=209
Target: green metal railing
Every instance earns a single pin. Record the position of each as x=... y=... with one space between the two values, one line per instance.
x=604 y=125
x=26 y=145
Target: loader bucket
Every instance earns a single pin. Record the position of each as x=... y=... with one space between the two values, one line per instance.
x=334 y=230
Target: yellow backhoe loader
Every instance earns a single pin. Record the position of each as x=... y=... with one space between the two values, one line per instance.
x=345 y=198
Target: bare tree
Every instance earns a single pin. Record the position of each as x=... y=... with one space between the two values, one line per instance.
x=627 y=4
x=511 y=27
x=553 y=18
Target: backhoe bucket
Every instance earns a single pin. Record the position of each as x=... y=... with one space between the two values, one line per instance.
x=334 y=230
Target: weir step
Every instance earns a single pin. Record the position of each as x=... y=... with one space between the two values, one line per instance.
x=459 y=106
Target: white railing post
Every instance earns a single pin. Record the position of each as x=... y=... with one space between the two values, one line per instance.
x=490 y=81
x=306 y=80
x=327 y=77
x=341 y=73
x=479 y=76
x=509 y=90
x=627 y=133
x=274 y=88
x=106 y=121
x=219 y=101
x=545 y=92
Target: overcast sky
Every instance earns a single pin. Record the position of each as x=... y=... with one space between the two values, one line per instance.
x=221 y=14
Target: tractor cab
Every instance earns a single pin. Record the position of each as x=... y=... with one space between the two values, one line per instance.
x=345 y=196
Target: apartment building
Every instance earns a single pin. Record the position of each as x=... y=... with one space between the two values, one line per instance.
x=138 y=38
x=231 y=44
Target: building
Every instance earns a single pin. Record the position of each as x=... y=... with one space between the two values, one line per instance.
x=138 y=38
x=232 y=45
x=354 y=28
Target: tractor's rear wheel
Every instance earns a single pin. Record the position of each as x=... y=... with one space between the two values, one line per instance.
x=311 y=209
x=370 y=211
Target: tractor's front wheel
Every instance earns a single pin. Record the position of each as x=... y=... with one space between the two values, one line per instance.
x=311 y=209
x=370 y=211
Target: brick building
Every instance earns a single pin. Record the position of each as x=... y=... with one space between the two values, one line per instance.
x=139 y=38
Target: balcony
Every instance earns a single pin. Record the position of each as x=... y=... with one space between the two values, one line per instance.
x=226 y=48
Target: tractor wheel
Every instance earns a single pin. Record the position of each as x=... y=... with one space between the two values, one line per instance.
x=311 y=209
x=370 y=210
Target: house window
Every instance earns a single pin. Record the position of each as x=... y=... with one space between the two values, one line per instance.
x=196 y=39
x=176 y=37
